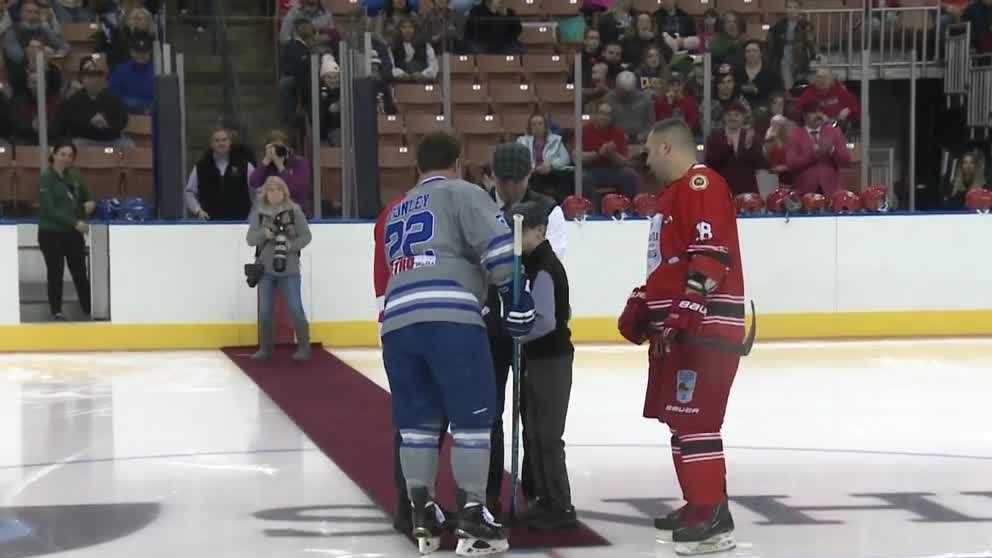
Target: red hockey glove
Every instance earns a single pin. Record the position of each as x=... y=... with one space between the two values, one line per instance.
x=633 y=322
x=685 y=316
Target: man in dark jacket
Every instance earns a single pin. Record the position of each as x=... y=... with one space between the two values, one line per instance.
x=979 y=15
x=674 y=21
x=294 y=65
x=492 y=28
x=94 y=115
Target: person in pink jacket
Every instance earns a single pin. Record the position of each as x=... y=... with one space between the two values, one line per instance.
x=816 y=152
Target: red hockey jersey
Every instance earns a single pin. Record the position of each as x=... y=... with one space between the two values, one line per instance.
x=696 y=219
x=380 y=266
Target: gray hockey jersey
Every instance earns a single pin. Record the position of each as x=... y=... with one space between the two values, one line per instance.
x=444 y=243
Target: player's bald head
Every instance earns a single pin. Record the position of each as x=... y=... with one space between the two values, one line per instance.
x=674 y=132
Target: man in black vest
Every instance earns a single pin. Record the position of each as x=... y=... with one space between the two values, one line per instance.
x=218 y=186
x=548 y=382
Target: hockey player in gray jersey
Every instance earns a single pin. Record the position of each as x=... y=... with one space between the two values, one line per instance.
x=445 y=242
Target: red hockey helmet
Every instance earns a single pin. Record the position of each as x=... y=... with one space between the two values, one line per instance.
x=978 y=199
x=814 y=203
x=616 y=205
x=782 y=200
x=576 y=207
x=875 y=198
x=845 y=201
x=749 y=203
x=645 y=205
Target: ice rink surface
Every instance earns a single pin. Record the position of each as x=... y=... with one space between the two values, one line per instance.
x=839 y=449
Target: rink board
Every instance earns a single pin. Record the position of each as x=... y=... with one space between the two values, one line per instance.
x=182 y=286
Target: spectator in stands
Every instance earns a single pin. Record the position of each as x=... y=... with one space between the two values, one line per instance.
x=675 y=26
x=816 y=152
x=413 y=60
x=330 y=100
x=31 y=28
x=18 y=73
x=597 y=86
x=217 y=187
x=633 y=109
x=280 y=160
x=26 y=117
x=48 y=18
x=552 y=175
x=639 y=39
x=382 y=73
x=443 y=27
x=5 y=20
x=653 y=73
x=726 y=95
x=969 y=174
x=492 y=28
x=735 y=151
x=757 y=80
x=605 y=159
x=73 y=11
x=837 y=103
x=590 y=56
x=616 y=21
x=708 y=30
x=387 y=24
x=115 y=41
x=613 y=58
x=979 y=15
x=790 y=45
x=65 y=206
x=727 y=47
x=134 y=80
x=273 y=213
x=8 y=122
x=294 y=64
x=312 y=10
x=675 y=103
x=94 y=115
x=776 y=140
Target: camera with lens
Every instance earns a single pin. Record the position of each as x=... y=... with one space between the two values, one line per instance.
x=282 y=230
x=281 y=151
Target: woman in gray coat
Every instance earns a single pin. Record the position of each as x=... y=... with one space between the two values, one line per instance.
x=279 y=229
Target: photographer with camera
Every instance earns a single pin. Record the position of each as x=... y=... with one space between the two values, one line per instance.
x=279 y=230
x=280 y=160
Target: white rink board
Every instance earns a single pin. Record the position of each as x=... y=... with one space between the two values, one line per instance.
x=10 y=312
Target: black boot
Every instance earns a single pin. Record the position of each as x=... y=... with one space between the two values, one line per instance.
x=428 y=521
x=671 y=521
x=477 y=530
x=403 y=521
x=556 y=519
x=704 y=531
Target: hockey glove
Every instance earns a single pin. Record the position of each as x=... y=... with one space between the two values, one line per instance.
x=633 y=322
x=684 y=317
x=518 y=319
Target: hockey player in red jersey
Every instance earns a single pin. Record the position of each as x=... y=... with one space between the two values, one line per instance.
x=691 y=309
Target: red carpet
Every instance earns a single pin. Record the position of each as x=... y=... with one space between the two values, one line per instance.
x=349 y=418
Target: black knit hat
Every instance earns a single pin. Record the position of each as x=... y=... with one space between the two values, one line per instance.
x=535 y=213
x=511 y=161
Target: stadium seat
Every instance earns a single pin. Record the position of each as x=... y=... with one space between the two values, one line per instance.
x=561 y=8
x=6 y=175
x=556 y=97
x=742 y=7
x=773 y=9
x=563 y=118
x=696 y=7
x=27 y=168
x=139 y=129
x=515 y=123
x=526 y=8
x=80 y=35
x=420 y=123
x=390 y=130
x=480 y=153
x=469 y=97
x=396 y=171
x=100 y=167
x=417 y=97
x=476 y=126
x=538 y=38
x=757 y=30
x=546 y=68
x=647 y=6
x=462 y=68
x=330 y=173
x=500 y=68
x=512 y=96
x=343 y=7
x=139 y=173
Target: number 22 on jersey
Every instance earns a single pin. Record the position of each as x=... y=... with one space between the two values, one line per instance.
x=403 y=236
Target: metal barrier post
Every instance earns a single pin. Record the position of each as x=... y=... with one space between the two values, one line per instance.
x=446 y=87
x=41 y=96
x=707 y=95
x=577 y=83
x=347 y=157
x=865 y=118
x=315 y=135
x=912 y=132
x=166 y=58
x=181 y=74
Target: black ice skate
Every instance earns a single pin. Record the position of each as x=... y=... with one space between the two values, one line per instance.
x=428 y=521
x=705 y=534
x=477 y=530
x=671 y=521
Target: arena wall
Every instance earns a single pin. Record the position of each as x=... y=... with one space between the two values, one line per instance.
x=182 y=286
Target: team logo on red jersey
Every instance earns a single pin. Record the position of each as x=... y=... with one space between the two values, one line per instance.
x=699 y=183
x=686 y=385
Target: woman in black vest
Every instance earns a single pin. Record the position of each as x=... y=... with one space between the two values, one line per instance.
x=548 y=382
x=218 y=186
x=413 y=59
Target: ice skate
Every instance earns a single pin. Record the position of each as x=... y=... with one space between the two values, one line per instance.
x=671 y=521
x=705 y=532
x=478 y=533
x=428 y=521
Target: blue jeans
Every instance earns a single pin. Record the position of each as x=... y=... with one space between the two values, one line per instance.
x=291 y=291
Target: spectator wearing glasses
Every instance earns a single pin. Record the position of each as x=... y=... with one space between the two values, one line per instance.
x=95 y=115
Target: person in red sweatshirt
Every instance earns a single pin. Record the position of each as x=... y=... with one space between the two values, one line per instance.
x=836 y=102
x=675 y=103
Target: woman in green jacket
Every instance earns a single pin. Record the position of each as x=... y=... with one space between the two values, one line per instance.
x=65 y=205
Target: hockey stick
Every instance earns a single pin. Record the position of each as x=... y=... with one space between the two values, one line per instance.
x=518 y=250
